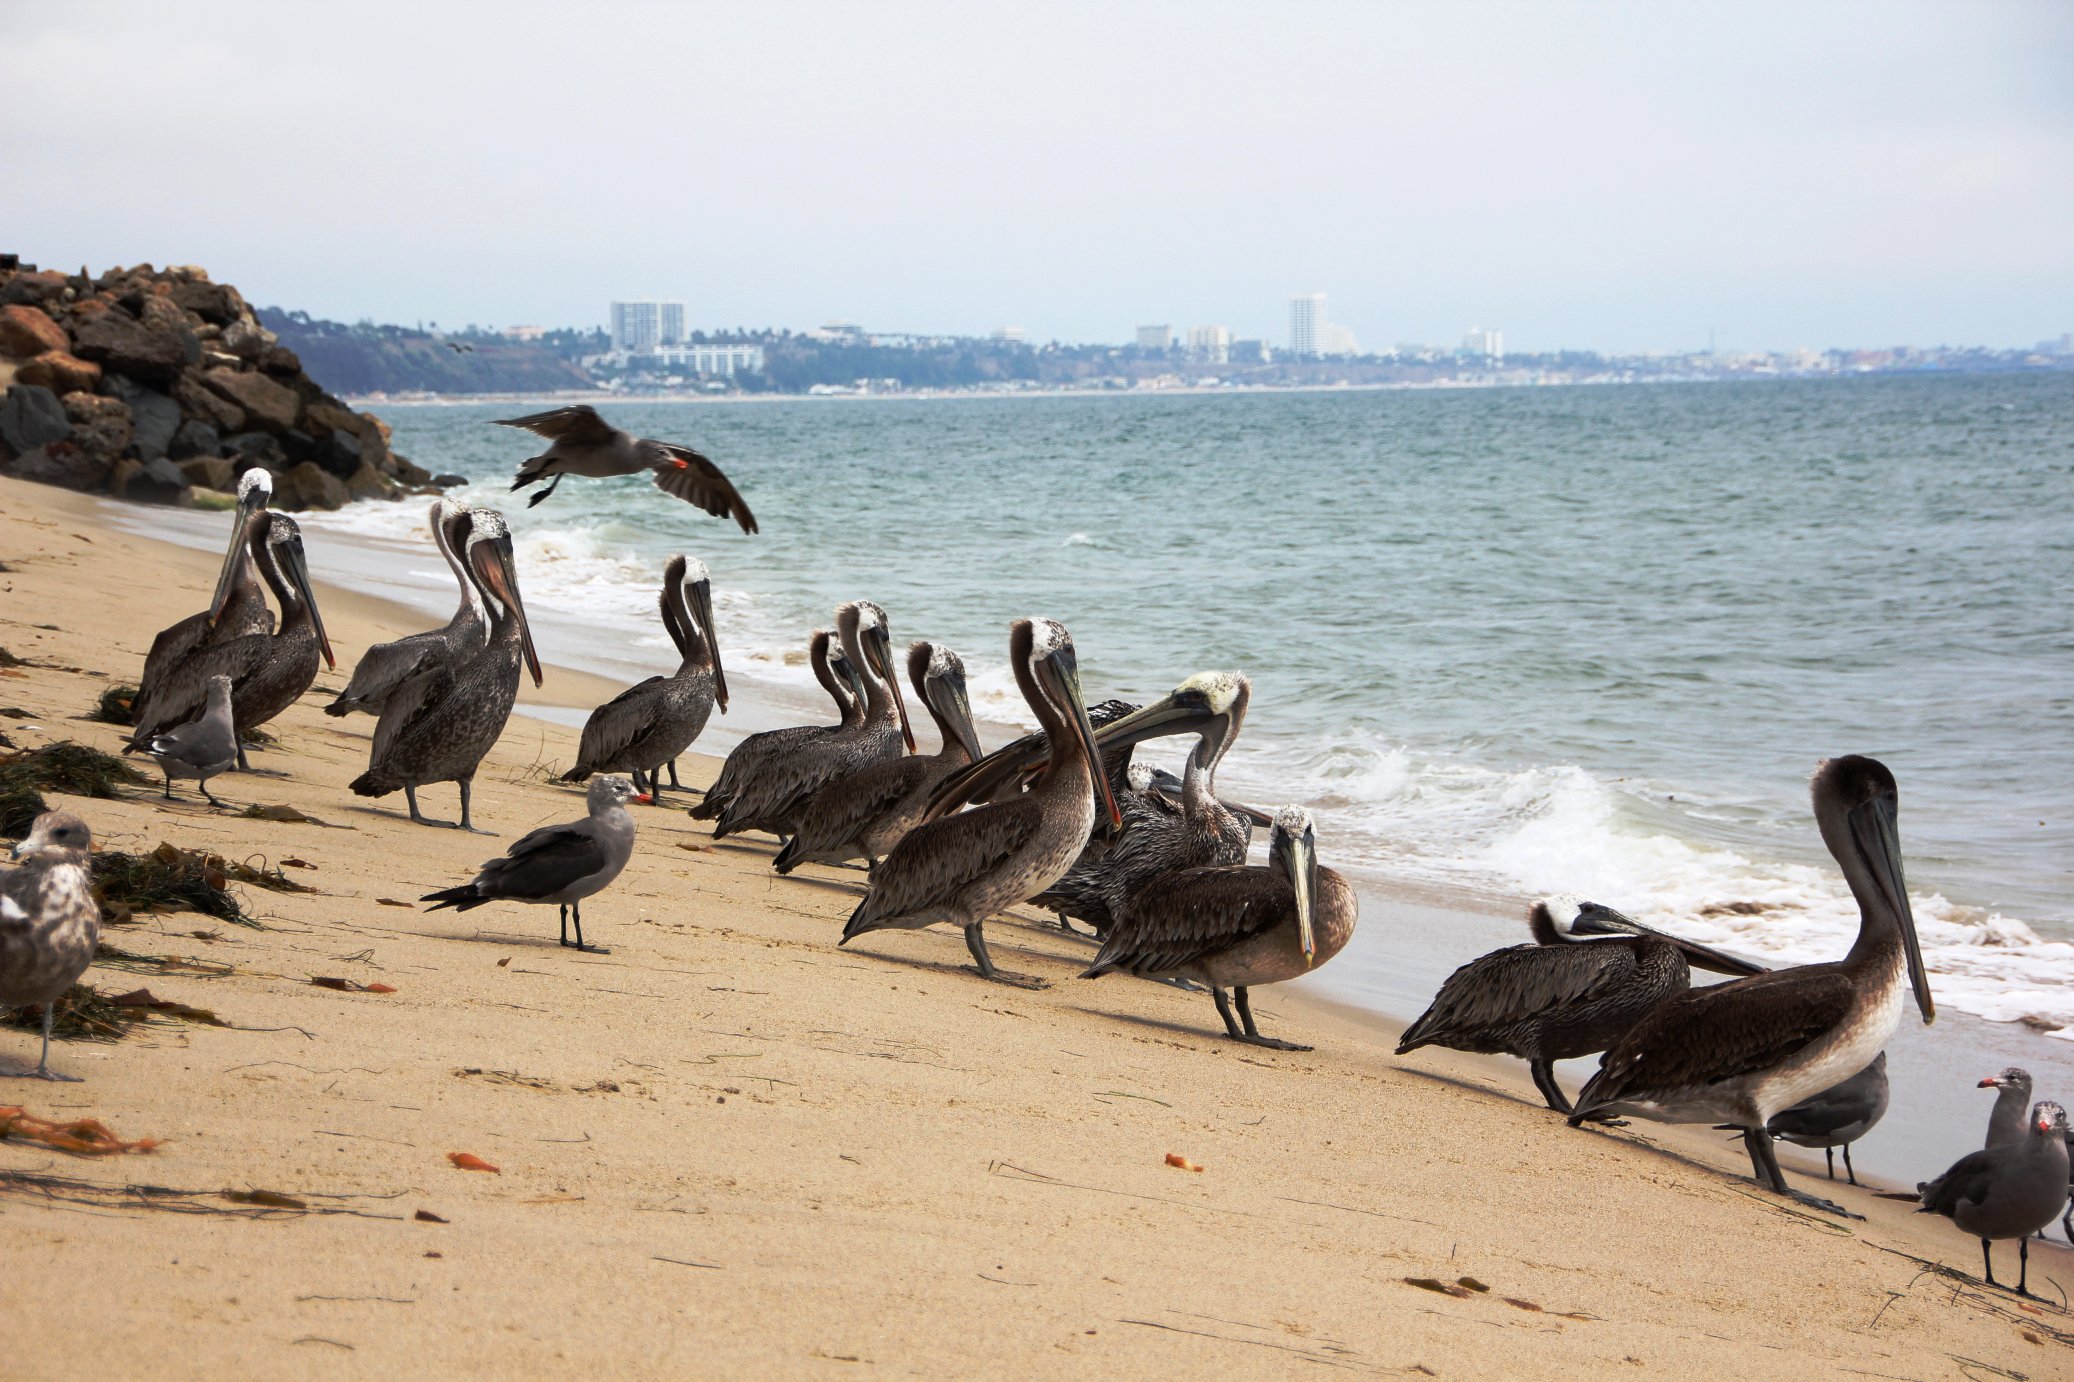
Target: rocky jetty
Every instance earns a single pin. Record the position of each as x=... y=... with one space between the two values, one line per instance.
x=156 y=384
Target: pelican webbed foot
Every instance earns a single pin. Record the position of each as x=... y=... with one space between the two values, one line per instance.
x=976 y=942
x=1251 y=1035
x=1551 y=1092
x=410 y=794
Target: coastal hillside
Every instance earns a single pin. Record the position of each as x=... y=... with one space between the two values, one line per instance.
x=365 y=358
x=162 y=386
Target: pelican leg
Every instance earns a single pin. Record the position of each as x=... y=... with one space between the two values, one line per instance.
x=1545 y=1081
x=976 y=942
x=1253 y=1036
x=466 y=784
x=1231 y=1024
x=43 y=1070
x=674 y=783
x=1765 y=1162
x=244 y=763
x=410 y=794
x=576 y=909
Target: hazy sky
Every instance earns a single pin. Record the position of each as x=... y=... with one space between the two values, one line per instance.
x=1610 y=176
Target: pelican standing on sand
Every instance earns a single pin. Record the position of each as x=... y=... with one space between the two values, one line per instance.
x=202 y=748
x=442 y=720
x=1837 y=1117
x=268 y=672
x=1590 y=976
x=1237 y=926
x=772 y=800
x=384 y=665
x=586 y=444
x=49 y=922
x=2010 y=1191
x=238 y=606
x=838 y=677
x=963 y=869
x=865 y=813
x=1740 y=1053
x=649 y=724
x=559 y=864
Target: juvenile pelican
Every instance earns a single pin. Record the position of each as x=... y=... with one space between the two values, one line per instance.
x=1571 y=993
x=442 y=719
x=268 y=672
x=385 y=664
x=838 y=677
x=648 y=725
x=586 y=444
x=1234 y=926
x=559 y=864
x=237 y=608
x=1837 y=1117
x=49 y=922
x=772 y=800
x=865 y=813
x=2010 y=1191
x=963 y=869
x=1741 y=1052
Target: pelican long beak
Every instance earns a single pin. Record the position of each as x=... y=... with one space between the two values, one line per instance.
x=1065 y=669
x=698 y=604
x=1596 y=919
x=298 y=571
x=502 y=578
x=1166 y=716
x=951 y=702
x=1878 y=838
x=878 y=650
x=251 y=505
x=1303 y=879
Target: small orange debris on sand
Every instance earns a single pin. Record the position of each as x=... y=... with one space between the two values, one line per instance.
x=469 y=1161
x=1180 y=1162
x=82 y=1136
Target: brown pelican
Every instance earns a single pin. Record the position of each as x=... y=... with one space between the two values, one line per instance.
x=1741 y=1052
x=1571 y=993
x=49 y=921
x=2011 y=1191
x=865 y=813
x=1234 y=926
x=586 y=444
x=772 y=800
x=648 y=725
x=442 y=719
x=268 y=672
x=963 y=869
x=237 y=608
x=561 y=864
x=201 y=748
x=1837 y=1117
x=385 y=664
x=2012 y=1098
x=838 y=677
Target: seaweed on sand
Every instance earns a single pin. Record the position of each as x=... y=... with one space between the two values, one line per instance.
x=73 y=769
x=84 y=1013
x=173 y=879
x=117 y=706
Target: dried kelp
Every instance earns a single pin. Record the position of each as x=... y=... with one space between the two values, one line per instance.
x=73 y=769
x=117 y=706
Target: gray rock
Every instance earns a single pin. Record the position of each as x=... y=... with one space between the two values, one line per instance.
x=60 y=463
x=266 y=402
x=155 y=417
x=100 y=425
x=31 y=416
x=449 y=481
x=255 y=448
x=195 y=438
x=197 y=400
x=121 y=344
x=149 y=482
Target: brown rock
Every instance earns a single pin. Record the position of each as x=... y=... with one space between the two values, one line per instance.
x=329 y=415
x=60 y=372
x=308 y=486
x=100 y=425
x=409 y=474
x=150 y=482
x=369 y=483
x=270 y=404
x=209 y=472
x=247 y=340
x=46 y=285
x=60 y=463
x=280 y=360
x=197 y=400
x=216 y=303
x=121 y=344
x=28 y=331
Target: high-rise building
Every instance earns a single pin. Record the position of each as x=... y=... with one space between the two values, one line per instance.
x=672 y=324
x=1307 y=324
x=1155 y=337
x=1485 y=345
x=1211 y=344
x=1338 y=340
x=639 y=327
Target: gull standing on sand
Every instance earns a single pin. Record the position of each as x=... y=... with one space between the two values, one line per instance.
x=745 y=763
x=1837 y=1117
x=963 y=869
x=1236 y=926
x=559 y=864
x=2010 y=1191
x=382 y=667
x=1742 y=1052
x=1588 y=977
x=268 y=672
x=202 y=748
x=586 y=444
x=442 y=720
x=237 y=608
x=649 y=724
x=49 y=922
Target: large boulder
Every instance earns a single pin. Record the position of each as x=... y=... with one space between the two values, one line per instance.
x=155 y=417
x=198 y=400
x=60 y=372
x=60 y=463
x=280 y=360
x=215 y=303
x=267 y=402
x=247 y=340
x=156 y=481
x=195 y=438
x=101 y=425
x=34 y=287
x=309 y=487
x=339 y=453
x=248 y=449
x=31 y=416
x=369 y=483
x=121 y=344
x=209 y=472
x=29 y=331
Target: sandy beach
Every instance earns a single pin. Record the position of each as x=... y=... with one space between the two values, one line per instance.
x=731 y=1148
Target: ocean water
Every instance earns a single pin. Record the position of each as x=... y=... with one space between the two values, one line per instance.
x=1502 y=642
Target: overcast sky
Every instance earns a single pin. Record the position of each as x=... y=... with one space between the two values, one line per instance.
x=1605 y=176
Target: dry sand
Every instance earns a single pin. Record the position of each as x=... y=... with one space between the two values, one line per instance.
x=731 y=1148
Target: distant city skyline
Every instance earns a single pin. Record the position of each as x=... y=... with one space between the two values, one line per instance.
x=1616 y=177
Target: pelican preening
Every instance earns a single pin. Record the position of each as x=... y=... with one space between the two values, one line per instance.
x=237 y=608
x=586 y=444
x=649 y=724
x=965 y=868
x=1739 y=1053
x=865 y=813
x=559 y=864
x=384 y=666
x=268 y=671
x=1837 y=1117
x=845 y=686
x=2008 y=1191
x=1589 y=976
x=50 y=923
x=439 y=723
x=1237 y=926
